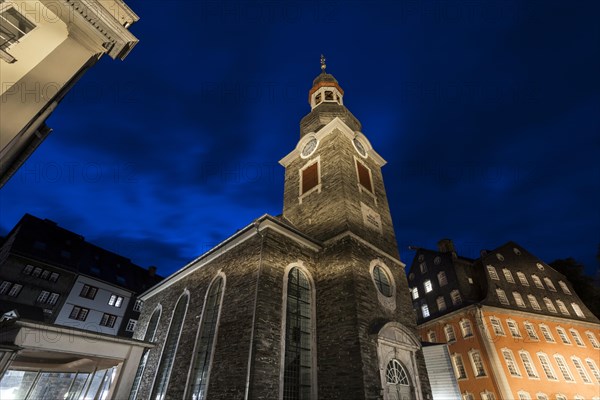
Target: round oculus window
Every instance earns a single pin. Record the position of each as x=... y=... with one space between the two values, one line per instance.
x=517 y=251
x=382 y=281
x=309 y=148
x=540 y=266
x=499 y=256
x=359 y=147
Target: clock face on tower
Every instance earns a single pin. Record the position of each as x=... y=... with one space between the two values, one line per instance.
x=309 y=148
x=359 y=147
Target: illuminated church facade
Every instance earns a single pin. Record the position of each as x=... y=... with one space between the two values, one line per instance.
x=310 y=304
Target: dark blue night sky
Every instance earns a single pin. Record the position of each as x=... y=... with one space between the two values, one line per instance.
x=486 y=111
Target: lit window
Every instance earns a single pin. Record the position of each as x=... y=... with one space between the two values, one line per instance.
x=442 y=279
x=549 y=305
x=431 y=337
x=594 y=368
x=547 y=334
x=522 y=279
x=298 y=307
x=508 y=276
x=14 y=27
x=547 y=367
x=528 y=364
x=537 y=281
x=519 y=299
x=427 y=286
x=425 y=310
x=564 y=287
x=513 y=328
x=564 y=368
x=108 y=320
x=456 y=299
x=497 y=326
x=79 y=313
x=534 y=303
x=465 y=326
x=163 y=371
x=502 y=297
x=449 y=332
x=592 y=338
x=550 y=284
x=577 y=310
x=441 y=303
x=88 y=292
x=115 y=300
x=477 y=363
x=530 y=329
x=364 y=176
x=581 y=370
x=562 y=334
x=492 y=272
x=577 y=337
x=415 y=293
x=510 y=362
x=382 y=281
x=459 y=367
x=131 y=325
x=309 y=178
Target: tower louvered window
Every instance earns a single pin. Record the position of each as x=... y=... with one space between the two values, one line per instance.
x=207 y=332
x=297 y=375
x=310 y=177
x=364 y=176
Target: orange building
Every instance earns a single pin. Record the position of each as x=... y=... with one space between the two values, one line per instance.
x=515 y=327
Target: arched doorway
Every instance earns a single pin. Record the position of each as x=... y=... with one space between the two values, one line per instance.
x=398 y=382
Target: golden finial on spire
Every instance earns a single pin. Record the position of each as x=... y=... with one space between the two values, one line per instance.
x=323 y=66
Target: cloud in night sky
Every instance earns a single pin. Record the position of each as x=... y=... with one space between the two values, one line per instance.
x=487 y=113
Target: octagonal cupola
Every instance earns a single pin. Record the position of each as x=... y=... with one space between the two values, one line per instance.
x=325 y=89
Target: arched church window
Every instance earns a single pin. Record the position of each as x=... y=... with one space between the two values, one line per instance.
x=206 y=339
x=395 y=373
x=382 y=281
x=161 y=381
x=148 y=337
x=297 y=375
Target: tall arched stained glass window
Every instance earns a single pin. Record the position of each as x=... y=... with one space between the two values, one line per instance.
x=161 y=381
x=297 y=374
x=206 y=340
x=148 y=337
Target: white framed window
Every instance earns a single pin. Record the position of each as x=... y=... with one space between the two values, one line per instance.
x=534 y=303
x=108 y=320
x=564 y=287
x=541 y=396
x=466 y=328
x=492 y=272
x=547 y=334
x=115 y=300
x=522 y=279
x=425 y=310
x=310 y=178
x=432 y=337
x=562 y=307
x=577 y=310
x=562 y=334
x=502 y=297
x=415 y=293
x=497 y=326
x=43 y=296
x=14 y=26
x=528 y=364
x=594 y=368
x=459 y=367
x=519 y=299
x=509 y=359
x=508 y=275
x=577 y=337
x=53 y=298
x=467 y=396
x=523 y=395
x=382 y=280
x=550 y=284
x=592 y=338
x=547 y=367
x=530 y=329
x=442 y=278
x=137 y=306
x=441 y=303
x=581 y=370
x=549 y=305
x=456 y=298
x=537 y=281
x=513 y=328
x=427 y=286
x=130 y=327
x=15 y=290
x=487 y=395
x=395 y=374
x=561 y=397
x=477 y=363
x=450 y=334
x=564 y=368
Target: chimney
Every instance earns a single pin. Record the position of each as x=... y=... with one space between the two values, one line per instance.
x=151 y=270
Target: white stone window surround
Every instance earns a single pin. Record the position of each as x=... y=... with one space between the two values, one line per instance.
x=313 y=351
x=219 y=275
x=337 y=96
x=387 y=302
x=361 y=188
x=4 y=7
x=318 y=187
x=186 y=293
x=477 y=363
